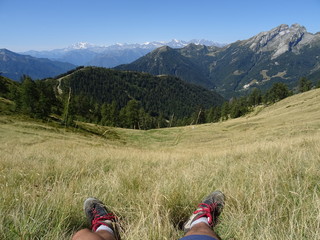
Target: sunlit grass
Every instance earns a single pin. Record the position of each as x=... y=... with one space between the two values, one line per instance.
x=267 y=164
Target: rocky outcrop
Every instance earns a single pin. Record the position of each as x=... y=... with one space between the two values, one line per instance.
x=281 y=39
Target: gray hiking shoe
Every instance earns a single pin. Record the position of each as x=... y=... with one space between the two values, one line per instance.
x=211 y=207
x=97 y=215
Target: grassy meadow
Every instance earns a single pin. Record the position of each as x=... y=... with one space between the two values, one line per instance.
x=267 y=164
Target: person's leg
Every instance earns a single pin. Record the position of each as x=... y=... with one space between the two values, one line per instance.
x=200 y=224
x=86 y=234
x=103 y=222
x=202 y=229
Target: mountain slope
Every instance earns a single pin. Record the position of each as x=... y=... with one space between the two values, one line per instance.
x=169 y=61
x=282 y=54
x=158 y=95
x=13 y=65
x=112 y=58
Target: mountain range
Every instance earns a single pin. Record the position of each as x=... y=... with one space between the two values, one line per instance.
x=87 y=54
x=13 y=65
x=283 y=54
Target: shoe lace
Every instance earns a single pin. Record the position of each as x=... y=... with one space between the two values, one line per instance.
x=101 y=220
x=206 y=210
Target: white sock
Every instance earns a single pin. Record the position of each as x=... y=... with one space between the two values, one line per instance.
x=200 y=220
x=104 y=227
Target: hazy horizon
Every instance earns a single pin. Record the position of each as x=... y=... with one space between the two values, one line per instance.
x=43 y=25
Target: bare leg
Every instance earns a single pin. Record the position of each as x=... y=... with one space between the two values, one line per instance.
x=205 y=218
x=202 y=229
x=104 y=224
x=86 y=234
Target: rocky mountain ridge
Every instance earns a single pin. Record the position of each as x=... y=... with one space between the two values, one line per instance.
x=282 y=39
x=283 y=54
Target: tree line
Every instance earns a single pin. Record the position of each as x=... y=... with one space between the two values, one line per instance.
x=38 y=99
x=237 y=107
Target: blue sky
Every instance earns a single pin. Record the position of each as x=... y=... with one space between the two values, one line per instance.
x=50 y=24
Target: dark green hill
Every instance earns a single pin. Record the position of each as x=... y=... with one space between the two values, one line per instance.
x=166 y=95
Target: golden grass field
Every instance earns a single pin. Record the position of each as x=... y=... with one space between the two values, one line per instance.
x=267 y=164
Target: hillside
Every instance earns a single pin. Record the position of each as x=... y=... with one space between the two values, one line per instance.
x=157 y=94
x=188 y=63
x=294 y=116
x=283 y=54
x=266 y=163
x=14 y=66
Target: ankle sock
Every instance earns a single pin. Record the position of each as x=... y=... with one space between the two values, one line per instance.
x=106 y=228
x=200 y=220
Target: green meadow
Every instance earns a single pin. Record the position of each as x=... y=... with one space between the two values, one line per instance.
x=267 y=163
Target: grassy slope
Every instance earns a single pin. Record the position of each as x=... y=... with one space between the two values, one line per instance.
x=266 y=163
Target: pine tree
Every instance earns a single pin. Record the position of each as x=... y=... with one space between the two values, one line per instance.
x=225 y=110
x=216 y=114
x=209 y=115
x=239 y=107
x=304 y=84
x=114 y=113
x=277 y=92
x=132 y=114
x=200 y=116
x=255 y=97
x=29 y=96
x=15 y=95
x=46 y=101
x=104 y=114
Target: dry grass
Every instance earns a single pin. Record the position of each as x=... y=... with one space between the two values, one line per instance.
x=267 y=164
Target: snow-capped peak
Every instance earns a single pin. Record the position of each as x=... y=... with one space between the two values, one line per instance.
x=80 y=45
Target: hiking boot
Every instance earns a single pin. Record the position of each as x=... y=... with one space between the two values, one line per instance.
x=211 y=207
x=97 y=215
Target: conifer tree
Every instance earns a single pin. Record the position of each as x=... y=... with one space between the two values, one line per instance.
x=15 y=95
x=277 y=92
x=225 y=110
x=132 y=114
x=29 y=96
x=304 y=84
x=216 y=114
x=255 y=97
x=47 y=99
x=239 y=107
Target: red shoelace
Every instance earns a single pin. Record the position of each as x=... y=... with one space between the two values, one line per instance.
x=206 y=210
x=100 y=220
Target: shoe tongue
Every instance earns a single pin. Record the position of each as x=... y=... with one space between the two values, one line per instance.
x=206 y=204
x=100 y=211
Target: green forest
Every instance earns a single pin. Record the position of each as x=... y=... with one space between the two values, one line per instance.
x=129 y=99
